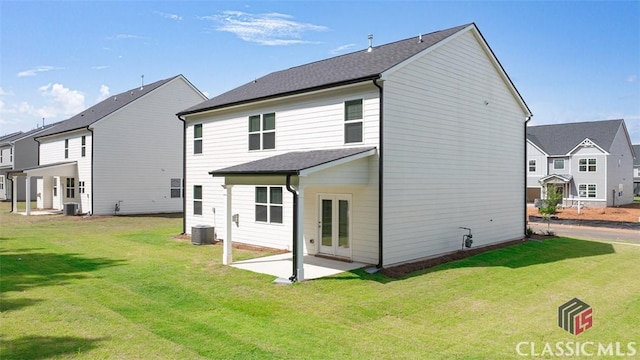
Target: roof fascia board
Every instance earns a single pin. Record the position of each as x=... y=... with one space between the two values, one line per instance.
x=580 y=145
x=62 y=134
x=344 y=160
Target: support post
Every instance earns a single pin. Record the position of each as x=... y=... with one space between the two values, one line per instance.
x=14 y=193
x=300 y=236
x=227 y=252
x=28 y=198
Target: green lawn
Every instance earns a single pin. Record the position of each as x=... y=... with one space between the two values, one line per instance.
x=124 y=288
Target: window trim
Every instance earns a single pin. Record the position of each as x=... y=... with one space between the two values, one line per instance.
x=198 y=139
x=197 y=200
x=585 y=194
x=81 y=187
x=558 y=168
x=269 y=204
x=70 y=188
x=532 y=163
x=261 y=132
x=66 y=148
x=172 y=187
x=83 y=148
x=354 y=121
x=585 y=163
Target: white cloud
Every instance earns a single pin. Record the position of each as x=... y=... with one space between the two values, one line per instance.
x=265 y=29
x=61 y=101
x=122 y=37
x=170 y=16
x=104 y=92
x=36 y=70
x=99 y=67
x=342 y=48
x=5 y=93
x=632 y=78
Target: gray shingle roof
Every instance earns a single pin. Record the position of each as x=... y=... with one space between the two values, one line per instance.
x=104 y=108
x=290 y=163
x=559 y=139
x=349 y=68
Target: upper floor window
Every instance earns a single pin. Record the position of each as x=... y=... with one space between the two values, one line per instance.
x=269 y=204
x=587 y=190
x=84 y=146
x=66 y=149
x=197 y=199
x=197 y=139
x=353 y=120
x=10 y=154
x=588 y=165
x=558 y=164
x=532 y=166
x=262 y=131
x=176 y=188
x=1 y=160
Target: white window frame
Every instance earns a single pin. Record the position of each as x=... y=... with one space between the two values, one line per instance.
x=354 y=121
x=586 y=164
x=83 y=148
x=262 y=131
x=11 y=154
x=81 y=187
x=1 y=182
x=270 y=205
x=554 y=164
x=197 y=140
x=589 y=191
x=70 y=188
x=175 y=185
x=197 y=200
x=531 y=163
x=66 y=148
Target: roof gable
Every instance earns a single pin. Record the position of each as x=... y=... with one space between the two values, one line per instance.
x=104 y=108
x=340 y=70
x=562 y=139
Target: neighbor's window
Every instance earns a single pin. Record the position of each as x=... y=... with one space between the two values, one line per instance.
x=353 y=120
x=197 y=199
x=66 y=148
x=269 y=204
x=1 y=182
x=558 y=164
x=262 y=131
x=587 y=190
x=176 y=188
x=1 y=156
x=11 y=154
x=80 y=187
x=197 y=139
x=587 y=165
x=84 y=146
x=532 y=166
x=71 y=188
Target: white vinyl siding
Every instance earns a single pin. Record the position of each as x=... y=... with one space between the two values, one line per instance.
x=452 y=126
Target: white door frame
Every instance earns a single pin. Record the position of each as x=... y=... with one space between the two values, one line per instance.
x=334 y=249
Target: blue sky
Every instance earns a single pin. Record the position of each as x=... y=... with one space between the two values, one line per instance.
x=571 y=61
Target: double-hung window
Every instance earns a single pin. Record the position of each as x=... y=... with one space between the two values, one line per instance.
x=11 y=154
x=197 y=199
x=71 y=188
x=353 y=121
x=197 y=139
x=587 y=190
x=66 y=148
x=587 y=165
x=558 y=164
x=532 y=166
x=176 y=188
x=269 y=204
x=84 y=146
x=262 y=131
x=80 y=187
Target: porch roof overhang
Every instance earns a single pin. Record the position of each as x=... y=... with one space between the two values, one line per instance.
x=556 y=179
x=56 y=169
x=274 y=169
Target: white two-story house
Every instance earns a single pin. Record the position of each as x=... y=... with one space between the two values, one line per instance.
x=120 y=156
x=636 y=171
x=381 y=156
x=591 y=162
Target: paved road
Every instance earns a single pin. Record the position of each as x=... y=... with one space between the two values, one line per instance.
x=585 y=232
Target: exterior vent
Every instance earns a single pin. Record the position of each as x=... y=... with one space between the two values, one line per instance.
x=202 y=234
x=71 y=209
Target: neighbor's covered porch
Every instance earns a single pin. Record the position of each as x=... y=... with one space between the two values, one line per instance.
x=563 y=182
x=52 y=179
x=301 y=174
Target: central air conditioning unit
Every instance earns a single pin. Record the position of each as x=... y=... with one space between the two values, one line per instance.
x=202 y=234
x=71 y=209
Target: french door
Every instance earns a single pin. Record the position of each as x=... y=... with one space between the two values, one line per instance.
x=334 y=224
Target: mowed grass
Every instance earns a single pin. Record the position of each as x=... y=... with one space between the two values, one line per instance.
x=125 y=288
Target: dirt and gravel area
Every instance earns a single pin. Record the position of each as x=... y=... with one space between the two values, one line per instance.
x=626 y=213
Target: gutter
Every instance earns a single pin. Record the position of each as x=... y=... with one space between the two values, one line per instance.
x=294 y=276
x=93 y=135
x=380 y=175
x=184 y=173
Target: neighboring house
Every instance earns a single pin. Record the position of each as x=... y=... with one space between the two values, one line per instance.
x=120 y=156
x=636 y=171
x=378 y=156
x=592 y=162
x=17 y=151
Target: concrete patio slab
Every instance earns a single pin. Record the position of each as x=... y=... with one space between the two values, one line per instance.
x=281 y=266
